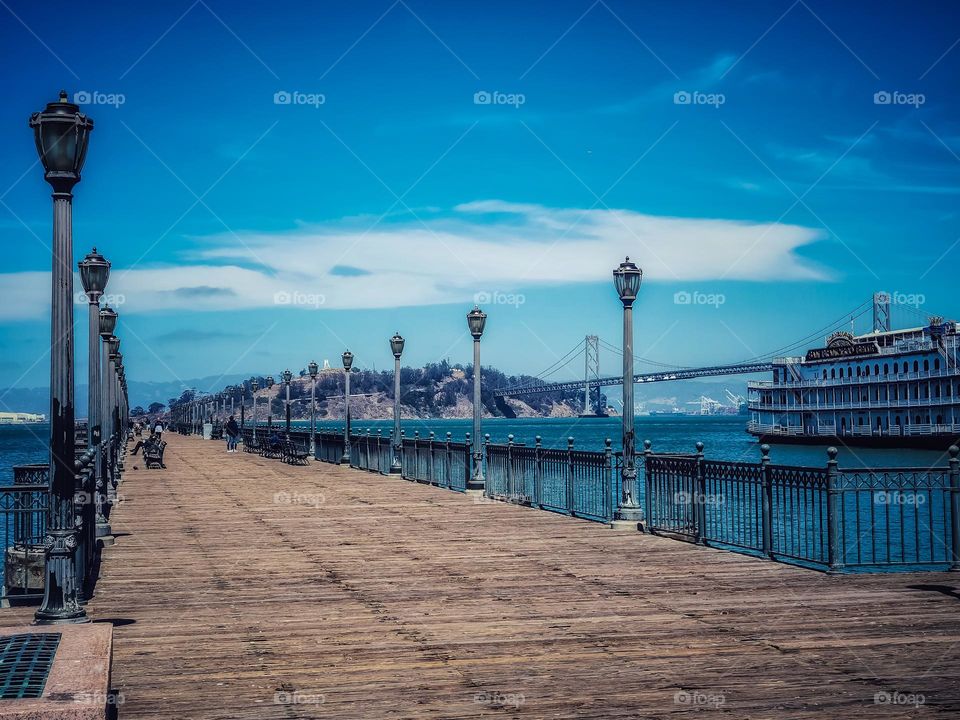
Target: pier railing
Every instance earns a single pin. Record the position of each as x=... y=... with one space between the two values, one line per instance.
x=821 y=517
x=825 y=517
x=574 y=482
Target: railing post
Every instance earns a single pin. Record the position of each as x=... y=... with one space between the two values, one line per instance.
x=431 y=465
x=468 y=460
x=833 y=513
x=767 y=517
x=510 y=486
x=700 y=499
x=608 y=474
x=447 y=462
x=485 y=457
x=403 y=454
x=955 y=508
x=647 y=480
x=569 y=476
x=538 y=472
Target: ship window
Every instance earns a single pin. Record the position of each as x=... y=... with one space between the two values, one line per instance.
x=866 y=371
x=926 y=365
x=918 y=420
x=896 y=368
x=850 y=371
x=876 y=369
x=936 y=363
x=897 y=420
x=916 y=366
x=841 y=373
x=833 y=373
x=939 y=419
x=824 y=373
x=936 y=390
x=886 y=368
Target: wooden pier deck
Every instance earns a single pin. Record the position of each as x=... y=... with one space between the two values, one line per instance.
x=241 y=587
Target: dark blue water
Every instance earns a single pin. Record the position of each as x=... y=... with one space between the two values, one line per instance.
x=20 y=445
x=724 y=438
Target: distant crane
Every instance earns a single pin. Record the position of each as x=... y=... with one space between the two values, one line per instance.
x=708 y=406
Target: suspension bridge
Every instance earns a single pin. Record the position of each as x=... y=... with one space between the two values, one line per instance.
x=877 y=309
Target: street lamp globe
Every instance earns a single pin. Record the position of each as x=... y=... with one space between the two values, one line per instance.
x=287 y=376
x=108 y=321
x=312 y=369
x=347 y=358
x=61 y=133
x=94 y=272
x=269 y=381
x=254 y=384
x=476 y=320
x=627 y=279
x=396 y=345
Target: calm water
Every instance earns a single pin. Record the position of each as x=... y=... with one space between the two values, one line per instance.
x=724 y=438
x=19 y=445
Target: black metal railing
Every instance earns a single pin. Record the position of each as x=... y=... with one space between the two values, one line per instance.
x=444 y=463
x=825 y=517
x=574 y=482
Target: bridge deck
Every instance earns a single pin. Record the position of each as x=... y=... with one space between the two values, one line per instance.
x=235 y=578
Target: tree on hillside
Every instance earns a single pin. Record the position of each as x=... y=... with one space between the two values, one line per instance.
x=137 y=411
x=155 y=407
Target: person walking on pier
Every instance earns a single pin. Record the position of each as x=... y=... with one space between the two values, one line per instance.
x=158 y=430
x=233 y=434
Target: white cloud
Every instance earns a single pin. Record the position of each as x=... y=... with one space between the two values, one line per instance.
x=488 y=245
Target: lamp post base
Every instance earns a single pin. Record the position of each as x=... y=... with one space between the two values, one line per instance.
x=628 y=518
x=627 y=525
x=474 y=492
x=396 y=469
x=60 y=620
x=345 y=458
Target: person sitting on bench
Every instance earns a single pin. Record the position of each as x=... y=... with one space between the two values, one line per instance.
x=275 y=442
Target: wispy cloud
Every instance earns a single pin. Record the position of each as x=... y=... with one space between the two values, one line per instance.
x=442 y=258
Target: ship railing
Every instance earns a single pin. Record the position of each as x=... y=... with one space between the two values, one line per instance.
x=855 y=404
x=951 y=372
x=821 y=517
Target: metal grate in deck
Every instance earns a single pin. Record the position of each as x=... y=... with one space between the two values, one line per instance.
x=25 y=662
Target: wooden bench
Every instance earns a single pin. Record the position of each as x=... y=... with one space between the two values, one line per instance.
x=292 y=454
x=153 y=455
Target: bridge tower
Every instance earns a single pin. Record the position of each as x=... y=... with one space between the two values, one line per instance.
x=591 y=372
x=881 y=312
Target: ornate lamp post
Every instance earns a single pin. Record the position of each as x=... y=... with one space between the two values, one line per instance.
x=476 y=321
x=396 y=346
x=94 y=273
x=627 y=278
x=312 y=370
x=287 y=377
x=269 y=382
x=61 y=133
x=347 y=364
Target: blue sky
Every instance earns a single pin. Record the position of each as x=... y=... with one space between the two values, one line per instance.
x=432 y=152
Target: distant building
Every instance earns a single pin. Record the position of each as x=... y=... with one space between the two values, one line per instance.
x=18 y=418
